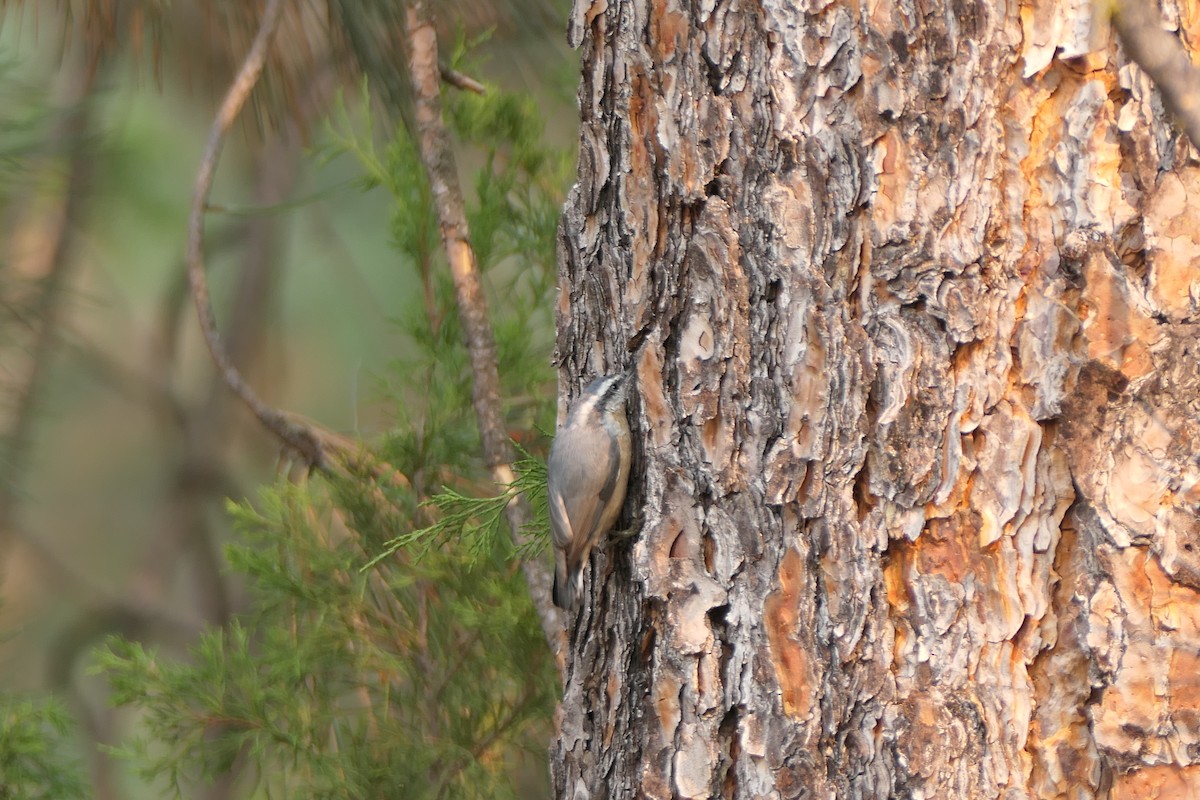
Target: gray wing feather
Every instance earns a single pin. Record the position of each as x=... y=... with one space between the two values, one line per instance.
x=585 y=461
x=560 y=521
x=614 y=455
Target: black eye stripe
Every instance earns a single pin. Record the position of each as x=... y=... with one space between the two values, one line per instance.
x=612 y=390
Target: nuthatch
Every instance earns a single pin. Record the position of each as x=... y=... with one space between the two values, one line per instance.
x=586 y=477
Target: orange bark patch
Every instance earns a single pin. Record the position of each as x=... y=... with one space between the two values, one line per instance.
x=613 y=691
x=1168 y=782
x=895 y=179
x=1184 y=680
x=1174 y=241
x=782 y=618
x=666 y=705
x=668 y=28
x=1108 y=315
x=946 y=551
x=597 y=8
x=641 y=119
x=934 y=733
x=655 y=408
x=1148 y=713
x=564 y=300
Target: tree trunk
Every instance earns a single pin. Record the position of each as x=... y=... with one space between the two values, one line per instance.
x=912 y=295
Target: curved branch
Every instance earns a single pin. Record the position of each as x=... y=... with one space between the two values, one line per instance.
x=1163 y=57
x=316 y=447
x=299 y=439
x=440 y=169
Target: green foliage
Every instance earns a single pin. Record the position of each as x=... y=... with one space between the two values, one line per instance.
x=34 y=734
x=477 y=523
x=412 y=680
x=425 y=675
x=33 y=737
x=24 y=117
x=513 y=224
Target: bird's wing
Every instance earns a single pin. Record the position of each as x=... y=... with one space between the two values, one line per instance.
x=560 y=520
x=589 y=468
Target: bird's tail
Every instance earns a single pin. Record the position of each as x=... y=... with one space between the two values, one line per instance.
x=568 y=584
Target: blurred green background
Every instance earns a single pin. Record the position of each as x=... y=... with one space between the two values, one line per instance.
x=120 y=444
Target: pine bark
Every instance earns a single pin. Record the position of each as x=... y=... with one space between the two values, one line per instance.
x=912 y=294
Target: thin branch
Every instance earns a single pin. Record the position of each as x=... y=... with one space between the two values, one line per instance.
x=459 y=80
x=17 y=439
x=1163 y=57
x=316 y=447
x=472 y=307
x=299 y=439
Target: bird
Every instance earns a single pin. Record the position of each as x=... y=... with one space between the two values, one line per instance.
x=587 y=475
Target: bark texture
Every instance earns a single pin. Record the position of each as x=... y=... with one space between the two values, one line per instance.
x=912 y=293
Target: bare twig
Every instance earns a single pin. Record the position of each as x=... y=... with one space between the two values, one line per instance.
x=472 y=306
x=1164 y=59
x=299 y=439
x=316 y=447
x=459 y=80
